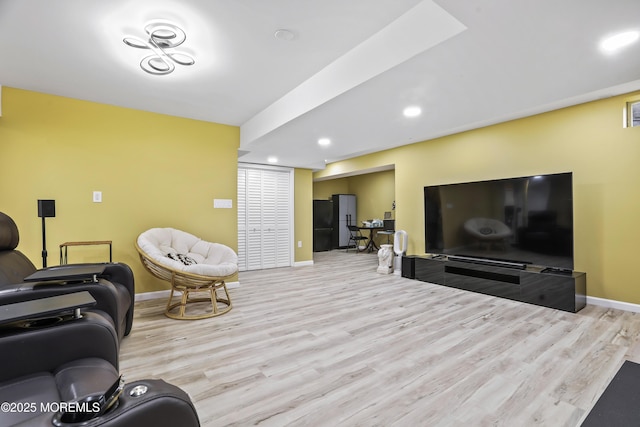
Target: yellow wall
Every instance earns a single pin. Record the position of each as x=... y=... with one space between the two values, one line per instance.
x=303 y=208
x=323 y=190
x=153 y=171
x=375 y=194
x=587 y=139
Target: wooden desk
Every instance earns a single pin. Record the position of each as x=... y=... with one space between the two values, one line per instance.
x=63 y=255
x=371 y=244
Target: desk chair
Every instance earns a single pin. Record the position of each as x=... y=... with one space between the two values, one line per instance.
x=355 y=236
x=388 y=230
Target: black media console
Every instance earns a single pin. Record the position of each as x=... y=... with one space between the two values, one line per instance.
x=546 y=286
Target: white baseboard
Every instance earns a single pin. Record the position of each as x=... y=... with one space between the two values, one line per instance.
x=152 y=295
x=303 y=263
x=145 y=296
x=609 y=303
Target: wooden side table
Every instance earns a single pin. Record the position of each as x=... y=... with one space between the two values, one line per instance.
x=65 y=246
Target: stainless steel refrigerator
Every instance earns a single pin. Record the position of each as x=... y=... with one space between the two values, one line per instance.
x=322 y=225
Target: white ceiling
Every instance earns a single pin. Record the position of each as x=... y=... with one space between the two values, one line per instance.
x=349 y=71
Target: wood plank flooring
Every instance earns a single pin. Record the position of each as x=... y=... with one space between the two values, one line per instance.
x=336 y=344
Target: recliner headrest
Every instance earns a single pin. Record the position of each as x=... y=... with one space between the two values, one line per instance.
x=9 y=236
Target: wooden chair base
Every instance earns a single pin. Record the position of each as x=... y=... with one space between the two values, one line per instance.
x=185 y=300
x=187 y=283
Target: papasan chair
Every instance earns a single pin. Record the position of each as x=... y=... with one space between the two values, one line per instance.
x=487 y=230
x=191 y=265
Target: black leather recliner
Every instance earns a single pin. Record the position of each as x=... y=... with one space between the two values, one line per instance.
x=113 y=288
x=60 y=367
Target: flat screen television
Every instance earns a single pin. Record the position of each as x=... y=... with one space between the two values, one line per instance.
x=527 y=220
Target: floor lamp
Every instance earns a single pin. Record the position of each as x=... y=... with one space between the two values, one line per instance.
x=46 y=209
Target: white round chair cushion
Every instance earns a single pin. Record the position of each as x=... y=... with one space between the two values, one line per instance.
x=210 y=259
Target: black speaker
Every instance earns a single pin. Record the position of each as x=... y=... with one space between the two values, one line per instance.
x=409 y=267
x=46 y=208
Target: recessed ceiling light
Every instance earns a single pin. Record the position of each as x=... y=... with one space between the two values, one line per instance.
x=413 y=111
x=272 y=159
x=618 y=41
x=324 y=141
x=283 y=34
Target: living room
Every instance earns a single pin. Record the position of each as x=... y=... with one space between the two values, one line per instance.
x=65 y=139
x=160 y=170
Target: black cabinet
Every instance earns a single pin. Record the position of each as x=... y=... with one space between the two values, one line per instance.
x=322 y=225
x=409 y=267
x=563 y=291
x=432 y=271
x=479 y=278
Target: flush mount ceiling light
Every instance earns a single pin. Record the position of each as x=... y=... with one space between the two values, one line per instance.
x=163 y=36
x=272 y=159
x=618 y=41
x=413 y=111
x=324 y=141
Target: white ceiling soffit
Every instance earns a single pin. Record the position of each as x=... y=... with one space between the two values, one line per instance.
x=358 y=172
x=417 y=30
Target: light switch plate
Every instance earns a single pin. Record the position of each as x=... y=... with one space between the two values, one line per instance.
x=223 y=203
x=97 y=196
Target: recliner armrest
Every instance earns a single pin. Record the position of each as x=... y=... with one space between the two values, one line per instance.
x=118 y=272
x=25 y=349
x=163 y=405
x=114 y=272
x=114 y=289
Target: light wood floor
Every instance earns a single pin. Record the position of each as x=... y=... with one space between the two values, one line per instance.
x=338 y=344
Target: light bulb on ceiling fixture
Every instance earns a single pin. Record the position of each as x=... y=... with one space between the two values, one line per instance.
x=618 y=41
x=324 y=142
x=272 y=159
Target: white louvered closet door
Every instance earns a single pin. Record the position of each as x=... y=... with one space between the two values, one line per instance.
x=264 y=218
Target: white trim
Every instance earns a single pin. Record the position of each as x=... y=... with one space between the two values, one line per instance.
x=303 y=263
x=609 y=303
x=292 y=225
x=145 y=296
x=152 y=295
x=245 y=165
